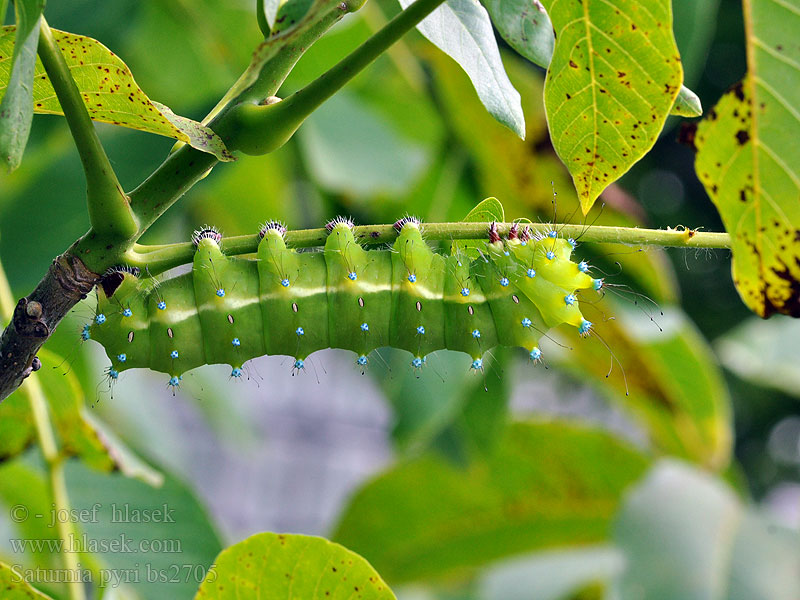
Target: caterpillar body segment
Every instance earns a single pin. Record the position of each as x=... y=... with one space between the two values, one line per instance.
x=176 y=334
x=469 y=325
x=288 y=282
x=418 y=274
x=230 y=309
x=226 y=295
x=359 y=292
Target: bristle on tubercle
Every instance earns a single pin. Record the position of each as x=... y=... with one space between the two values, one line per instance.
x=206 y=232
x=494 y=234
x=122 y=270
x=407 y=220
x=272 y=226
x=340 y=220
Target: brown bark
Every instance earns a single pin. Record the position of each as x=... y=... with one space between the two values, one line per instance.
x=36 y=316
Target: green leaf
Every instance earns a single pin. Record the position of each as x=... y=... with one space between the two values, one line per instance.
x=424 y=403
x=479 y=425
x=14 y=586
x=686 y=535
x=545 y=485
x=524 y=24
x=764 y=352
x=462 y=29
x=554 y=575
x=27 y=500
x=80 y=434
x=486 y=211
x=16 y=106
x=197 y=57
x=748 y=158
x=671 y=382
x=110 y=93
x=125 y=460
x=289 y=13
x=276 y=566
x=380 y=162
x=16 y=426
x=439 y=400
x=168 y=553
x=613 y=79
x=270 y=9
x=687 y=104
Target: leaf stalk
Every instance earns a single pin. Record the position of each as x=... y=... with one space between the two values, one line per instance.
x=109 y=213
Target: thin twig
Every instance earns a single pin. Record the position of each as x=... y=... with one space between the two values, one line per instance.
x=160 y=259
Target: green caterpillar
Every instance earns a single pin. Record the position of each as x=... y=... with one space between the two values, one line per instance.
x=229 y=310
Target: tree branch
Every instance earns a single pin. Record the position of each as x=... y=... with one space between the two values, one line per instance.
x=109 y=213
x=186 y=166
x=36 y=316
x=162 y=258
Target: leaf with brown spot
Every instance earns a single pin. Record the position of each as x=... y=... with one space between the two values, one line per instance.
x=110 y=93
x=524 y=24
x=687 y=104
x=14 y=586
x=609 y=122
x=278 y=566
x=748 y=158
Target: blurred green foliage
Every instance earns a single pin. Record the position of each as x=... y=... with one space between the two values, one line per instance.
x=469 y=493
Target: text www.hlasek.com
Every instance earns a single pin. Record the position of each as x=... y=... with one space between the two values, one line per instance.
x=85 y=544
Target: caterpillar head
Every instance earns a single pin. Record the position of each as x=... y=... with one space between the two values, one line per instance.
x=115 y=276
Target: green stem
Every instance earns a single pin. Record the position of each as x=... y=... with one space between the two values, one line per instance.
x=160 y=259
x=54 y=460
x=265 y=128
x=186 y=166
x=109 y=213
